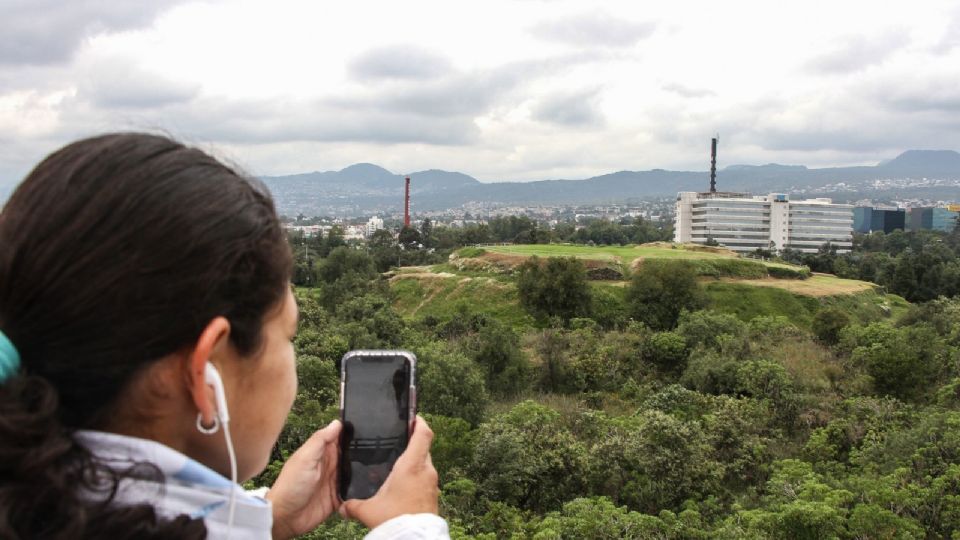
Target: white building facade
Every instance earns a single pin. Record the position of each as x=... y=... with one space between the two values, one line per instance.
x=744 y=222
x=374 y=224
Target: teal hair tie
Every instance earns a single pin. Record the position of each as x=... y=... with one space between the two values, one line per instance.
x=9 y=358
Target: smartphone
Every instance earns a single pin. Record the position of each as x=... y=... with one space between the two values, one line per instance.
x=378 y=405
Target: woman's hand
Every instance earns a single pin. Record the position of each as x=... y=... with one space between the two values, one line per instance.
x=305 y=493
x=411 y=487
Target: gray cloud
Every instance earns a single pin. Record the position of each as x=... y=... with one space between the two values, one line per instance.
x=580 y=109
x=852 y=121
x=688 y=92
x=273 y=121
x=115 y=93
x=399 y=62
x=463 y=94
x=119 y=82
x=594 y=29
x=855 y=53
x=49 y=31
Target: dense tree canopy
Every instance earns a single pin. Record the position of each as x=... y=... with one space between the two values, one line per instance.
x=643 y=411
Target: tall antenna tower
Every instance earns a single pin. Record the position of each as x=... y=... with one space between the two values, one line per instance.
x=406 y=204
x=713 y=163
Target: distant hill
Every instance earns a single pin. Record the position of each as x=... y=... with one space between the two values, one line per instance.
x=366 y=188
x=933 y=162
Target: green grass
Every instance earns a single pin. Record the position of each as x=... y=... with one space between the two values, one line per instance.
x=707 y=263
x=443 y=297
x=471 y=252
x=747 y=302
x=623 y=253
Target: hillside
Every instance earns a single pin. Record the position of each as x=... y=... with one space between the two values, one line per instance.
x=479 y=279
x=365 y=188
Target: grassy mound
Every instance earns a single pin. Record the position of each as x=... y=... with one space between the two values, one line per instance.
x=707 y=261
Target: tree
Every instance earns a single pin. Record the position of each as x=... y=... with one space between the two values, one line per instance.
x=660 y=290
x=410 y=238
x=450 y=384
x=557 y=288
x=343 y=262
x=526 y=458
x=384 y=250
x=904 y=278
x=497 y=349
x=426 y=233
x=333 y=240
x=903 y=362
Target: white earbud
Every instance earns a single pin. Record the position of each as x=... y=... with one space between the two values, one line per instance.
x=212 y=377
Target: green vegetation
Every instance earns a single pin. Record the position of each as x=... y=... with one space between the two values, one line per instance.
x=471 y=252
x=678 y=404
x=556 y=288
x=917 y=265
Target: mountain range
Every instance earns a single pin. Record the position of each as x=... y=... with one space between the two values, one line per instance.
x=365 y=188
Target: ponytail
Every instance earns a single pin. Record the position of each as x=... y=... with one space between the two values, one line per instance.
x=52 y=487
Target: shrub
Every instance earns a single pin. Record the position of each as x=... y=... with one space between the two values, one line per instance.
x=737 y=268
x=783 y=272
x=828 y=323
x=667 y=350
x=704 y=328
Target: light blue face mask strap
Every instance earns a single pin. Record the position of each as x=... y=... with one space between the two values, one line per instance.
x=9 y=358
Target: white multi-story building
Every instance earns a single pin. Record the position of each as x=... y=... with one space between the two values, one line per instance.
x=744 y=222
x=374 y=224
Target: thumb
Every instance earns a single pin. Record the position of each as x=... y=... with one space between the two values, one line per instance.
x=349 y=508
x=330 y=433
x=418 y=448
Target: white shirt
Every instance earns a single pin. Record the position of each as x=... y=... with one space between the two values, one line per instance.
x=192 y=489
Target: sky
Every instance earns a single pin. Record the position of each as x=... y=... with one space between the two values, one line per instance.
x=500 y=90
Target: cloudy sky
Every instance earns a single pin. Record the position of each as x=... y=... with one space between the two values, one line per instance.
x=500 y=90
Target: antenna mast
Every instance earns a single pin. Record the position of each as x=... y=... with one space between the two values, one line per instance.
x=713 y=163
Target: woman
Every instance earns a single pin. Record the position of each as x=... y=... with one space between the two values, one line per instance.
x=130 y=263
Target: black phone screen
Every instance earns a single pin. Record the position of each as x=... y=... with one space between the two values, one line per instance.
x=376 y=420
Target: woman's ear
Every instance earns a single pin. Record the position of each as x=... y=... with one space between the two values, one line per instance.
x=212 y=343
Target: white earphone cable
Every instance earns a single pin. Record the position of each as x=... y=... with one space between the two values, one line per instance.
x=233 y=476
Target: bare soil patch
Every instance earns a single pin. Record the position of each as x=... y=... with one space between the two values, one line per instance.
x=808 y=287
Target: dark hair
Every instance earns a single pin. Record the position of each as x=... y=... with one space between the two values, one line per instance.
x=116 y=251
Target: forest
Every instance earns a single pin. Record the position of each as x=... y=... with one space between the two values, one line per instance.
x=650 y=411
